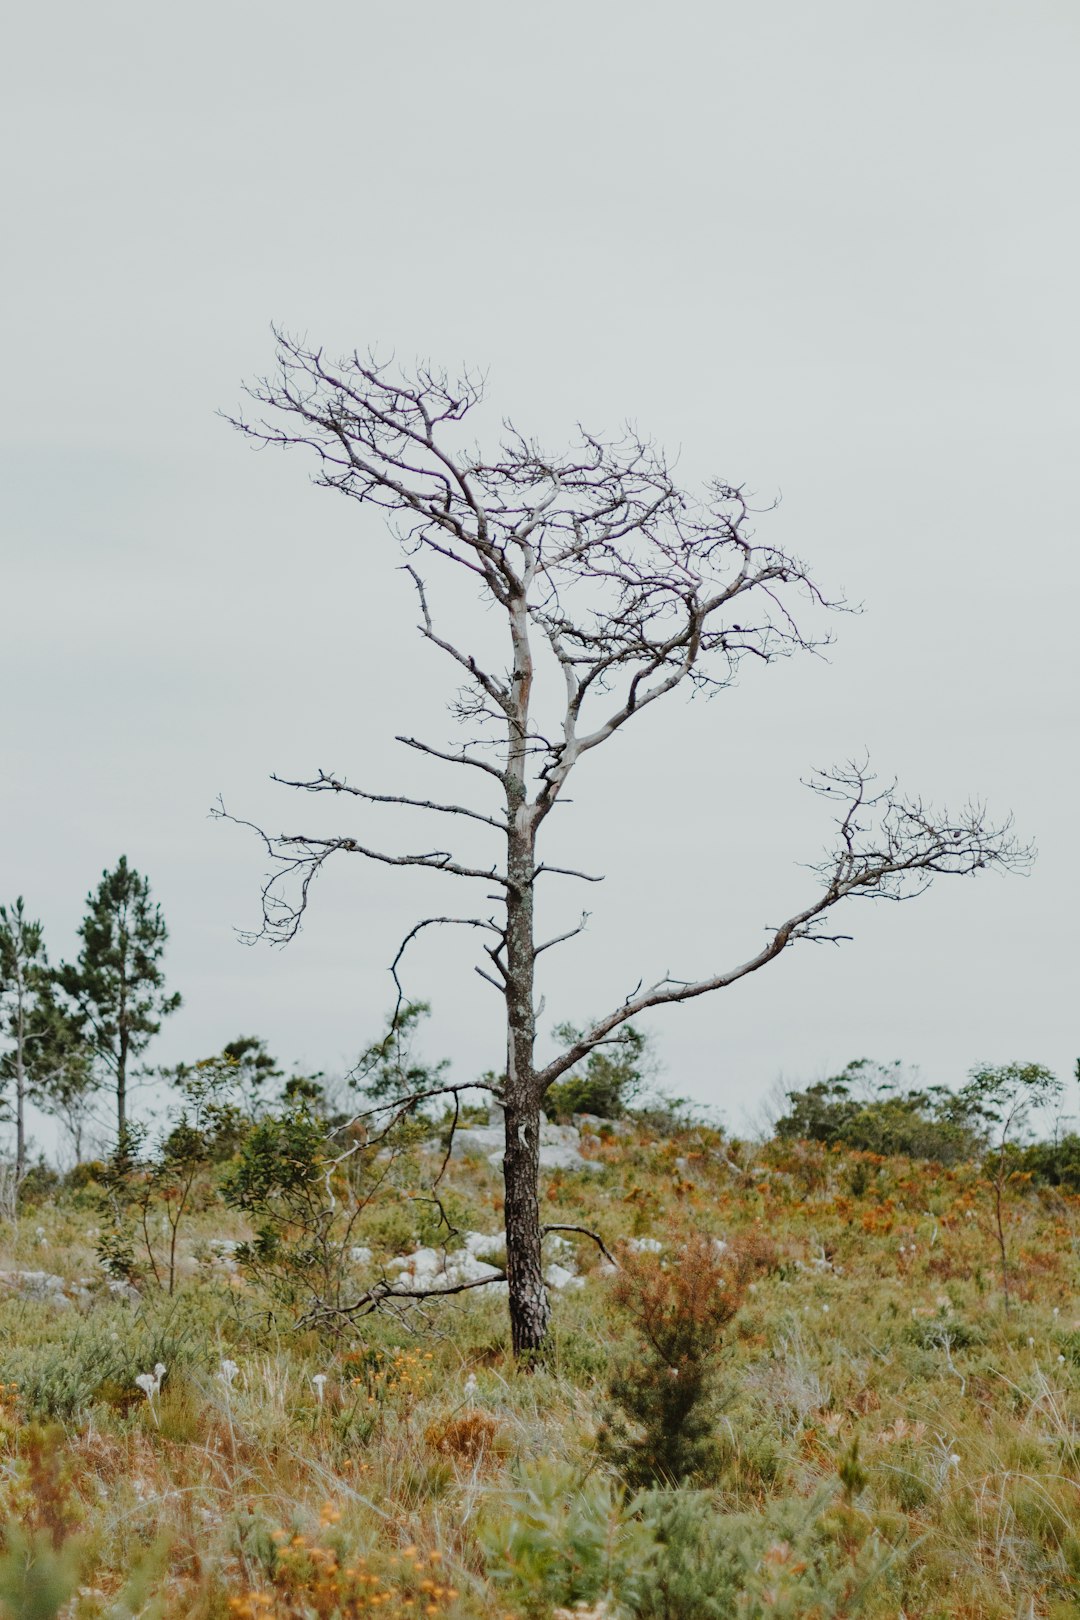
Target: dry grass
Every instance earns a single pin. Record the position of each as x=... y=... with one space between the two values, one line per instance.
x=880 y=1323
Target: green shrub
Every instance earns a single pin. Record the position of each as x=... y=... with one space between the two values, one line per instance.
x=670 y=1555
x=555 y=1538
x=692 y=1575
x=607 y=1082
x=934 y=1123
x=36 y=1578
x=1049 y=1164
x=62 y=1371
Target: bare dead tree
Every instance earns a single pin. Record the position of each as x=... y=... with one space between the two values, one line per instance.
x=596 y=561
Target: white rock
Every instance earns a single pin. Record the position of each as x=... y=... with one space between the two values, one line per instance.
x=646 y=1245
x=559 y=1149
x=560 y=1145
x=426 y=1263
x=465 y=1267
x=597 y=1126
x=485 y=1242
x=556 y=1244
x=119 y=1289
x=557 y=1276
x=359 y=1255
x=479 y=1139
x=43 y=1285
x=428 y=1268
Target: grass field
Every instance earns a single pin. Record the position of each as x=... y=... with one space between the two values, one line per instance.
x=884 y=1436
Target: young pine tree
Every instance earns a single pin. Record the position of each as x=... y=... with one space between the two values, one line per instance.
x=660 y=1424
x=117 y=984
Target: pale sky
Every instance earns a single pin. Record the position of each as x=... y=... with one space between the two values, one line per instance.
x=828 y=251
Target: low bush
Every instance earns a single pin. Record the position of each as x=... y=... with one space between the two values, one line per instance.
x=934 y=1123
x=659 y=1428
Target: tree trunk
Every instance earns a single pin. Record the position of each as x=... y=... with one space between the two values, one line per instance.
x=20 y=1095
x=121 y=1084
x=122 y=1032
x=529 y=1309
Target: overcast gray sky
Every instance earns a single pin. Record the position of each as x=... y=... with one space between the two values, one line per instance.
x=828 y=251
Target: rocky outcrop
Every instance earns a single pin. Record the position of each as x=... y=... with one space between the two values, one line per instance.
x=560 y=1145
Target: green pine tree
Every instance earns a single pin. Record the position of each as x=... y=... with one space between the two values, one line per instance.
x=118 y=985
x=60 y=1064
x=23 y=975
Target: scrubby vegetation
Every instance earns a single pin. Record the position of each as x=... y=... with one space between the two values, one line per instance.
x=800 y=1392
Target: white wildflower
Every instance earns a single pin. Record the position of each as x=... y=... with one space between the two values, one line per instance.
x=227 y=1372
x=318 y=1384
x=470 y=1385
x=150 y=1384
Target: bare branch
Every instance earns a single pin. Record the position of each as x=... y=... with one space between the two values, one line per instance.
x=385 y=1292
x=401 y=1106
x=434 y=922
x=300 y=858
x=488 y=684
x=585 y=1231
x=888 y=847
x=571 y=933
x=452 y=759
x=328 y=783
x=567 y=871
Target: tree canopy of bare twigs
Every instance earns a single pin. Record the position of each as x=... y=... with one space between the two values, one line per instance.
x=601 y=567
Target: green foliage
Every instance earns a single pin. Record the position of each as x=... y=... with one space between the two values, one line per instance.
x=41 y=1553
x=853 y=1476
x=390 y=1068
x=865 y=1397
x=1006 y=1095
x=1048 y=1164
x=117 y=987
x=60 y=1066
x=62 y=1366
x=691 y=1574
x=123 y=1197
x=556 y=1538
x=610 y=1079
x=24 y=974
x=143 y=1191
x=931 y=1123
x=226 y=1092
x=255 y=1074
x=36 y=1578
x=289 y=1177
x=43 y=1059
